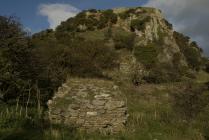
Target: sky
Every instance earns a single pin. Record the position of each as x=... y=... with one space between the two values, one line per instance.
x=190 y=17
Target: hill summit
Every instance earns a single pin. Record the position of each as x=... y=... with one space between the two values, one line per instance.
x=138 y=44
x=124 y=73
x=135 y=45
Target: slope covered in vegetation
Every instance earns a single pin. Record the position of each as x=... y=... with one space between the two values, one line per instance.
x=162 y=74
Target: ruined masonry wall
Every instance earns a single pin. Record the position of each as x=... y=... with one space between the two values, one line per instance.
x=89 y=104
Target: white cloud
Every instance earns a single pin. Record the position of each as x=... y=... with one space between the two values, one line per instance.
x=56 y=13
x=188 y=16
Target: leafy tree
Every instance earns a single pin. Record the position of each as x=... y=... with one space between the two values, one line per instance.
x=16 y=66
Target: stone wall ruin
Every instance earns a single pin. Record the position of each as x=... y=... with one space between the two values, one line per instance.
x=90 y=105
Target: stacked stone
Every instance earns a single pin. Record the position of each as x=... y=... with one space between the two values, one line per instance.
x=89 y=104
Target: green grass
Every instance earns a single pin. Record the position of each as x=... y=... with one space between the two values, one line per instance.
x=93 y=35
x=151 y=117
x=202 y=77
x=147 y=55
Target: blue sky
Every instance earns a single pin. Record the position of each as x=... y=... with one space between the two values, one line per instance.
x=190 y=17
x=28 y=10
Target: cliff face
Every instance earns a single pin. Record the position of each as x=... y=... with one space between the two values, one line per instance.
x=141 y=37
x=156 y=30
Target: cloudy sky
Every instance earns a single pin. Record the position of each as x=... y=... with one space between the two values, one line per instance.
x=188 y=16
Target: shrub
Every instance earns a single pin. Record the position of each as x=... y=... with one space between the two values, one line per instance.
x=163 y=73
x=146 y=55
x=90 y=58
x=93 y=10
x=124 y=39
x=91 y=22
x=16 y=62
x=139 y=24
x=107 y=18
x=191 y=51
x=193 y=57
x=108 y=33
x=190 y=101
x=169 y=25
x=112 y=17
x=126 y=14
x=207 y=66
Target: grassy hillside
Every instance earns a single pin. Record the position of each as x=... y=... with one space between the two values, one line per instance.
x=154 y=114
x=161 y=73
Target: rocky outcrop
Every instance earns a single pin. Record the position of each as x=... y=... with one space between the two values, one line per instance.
x=89 y=104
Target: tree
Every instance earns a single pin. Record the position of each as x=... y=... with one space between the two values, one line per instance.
x=15 y=59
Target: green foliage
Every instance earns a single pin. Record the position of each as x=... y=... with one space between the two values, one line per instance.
x=146 y=55
x=107 y=18
x=126 y=14
x=193 y=57
x=16 y=63
x=108 y=33
x=93 y=10
x=90 y=58
x=163 y=73
x=139 y=24
x=133 y=11
x=206 y=62
x=190 y=50
x=123 y=39
x=82 y=23
x=91 y=22
x=191 y=101
x=169 y=25
x=41 y=64
x=78 y=58
x=112 y=17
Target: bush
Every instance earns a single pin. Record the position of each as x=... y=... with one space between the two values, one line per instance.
x=124 y=39
x=191 y=101
x=16 y=62
x=139 y=24
x=93 y=10
x=146 y=55
x=126 y=14
x=193 y=57
x=90 y=58
x=91 y=22
x=163 y=73
x=169 y=25
x=107 y=18
x=191 y=51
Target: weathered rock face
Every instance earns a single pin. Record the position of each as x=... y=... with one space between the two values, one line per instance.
x=155 y=29
x=89 y=104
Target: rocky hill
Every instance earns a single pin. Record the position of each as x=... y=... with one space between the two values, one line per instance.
x=120 y=74
x=135 y=45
